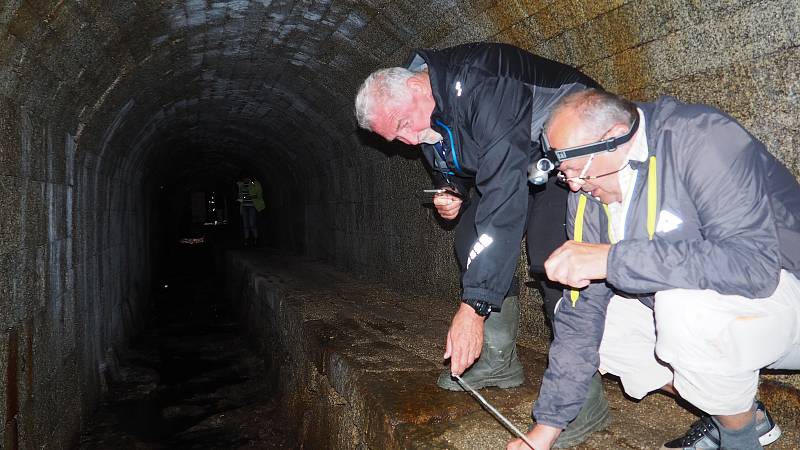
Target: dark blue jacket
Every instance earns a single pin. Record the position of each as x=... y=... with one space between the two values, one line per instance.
x=491 y=103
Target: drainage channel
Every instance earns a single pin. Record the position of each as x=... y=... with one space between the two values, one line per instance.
x=189 y=381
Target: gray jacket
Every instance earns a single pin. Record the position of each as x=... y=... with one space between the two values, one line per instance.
x=738 y=225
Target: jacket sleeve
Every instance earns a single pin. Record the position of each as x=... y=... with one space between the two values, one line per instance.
x=577 y=331
x=503 y=136
x=723 y=170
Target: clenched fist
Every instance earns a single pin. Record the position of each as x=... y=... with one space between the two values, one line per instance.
x=576 y=264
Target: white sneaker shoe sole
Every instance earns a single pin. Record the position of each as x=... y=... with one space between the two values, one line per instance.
x=770 y=436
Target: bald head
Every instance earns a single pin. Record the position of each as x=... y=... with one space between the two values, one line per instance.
x=590 y=114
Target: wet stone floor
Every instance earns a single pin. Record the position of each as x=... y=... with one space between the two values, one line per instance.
x=189 y=381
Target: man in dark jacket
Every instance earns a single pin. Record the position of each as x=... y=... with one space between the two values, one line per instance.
x=683 y=261
x=478 y=110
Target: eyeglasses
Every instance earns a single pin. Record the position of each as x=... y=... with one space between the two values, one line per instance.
x=562 y=178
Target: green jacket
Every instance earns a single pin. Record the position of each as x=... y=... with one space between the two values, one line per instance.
x=255 y=194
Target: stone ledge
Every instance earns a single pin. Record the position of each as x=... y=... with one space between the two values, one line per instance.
x=356 y=364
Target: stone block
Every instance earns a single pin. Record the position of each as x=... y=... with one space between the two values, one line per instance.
x=791 y=17
x=719 y=43
x=776 y=87
x=4 y=392
x=28 y=374
x=551 y=21
x=10 y=221
x=10 y=162
x=11 y=404
x=702 y=11
x=25 y=21
x=34 y=217
x=557 y=49
x=478 y=28
x=506 y=14
x=22 y=291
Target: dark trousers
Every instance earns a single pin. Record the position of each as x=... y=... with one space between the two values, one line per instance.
x=545 y=231
x=249 y=221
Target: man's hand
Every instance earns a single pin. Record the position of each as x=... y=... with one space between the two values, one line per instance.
x=542 y=436
x=576 y=264
x=464 y=339
x=447 y=205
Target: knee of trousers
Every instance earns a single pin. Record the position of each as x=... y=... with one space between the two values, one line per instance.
x=676 y=323
x=716 y=394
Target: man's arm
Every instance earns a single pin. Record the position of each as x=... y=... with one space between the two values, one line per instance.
x=578 y=330
x=498 y=117
x=724 y=173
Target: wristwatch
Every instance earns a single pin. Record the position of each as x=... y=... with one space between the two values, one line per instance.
x=482 y=308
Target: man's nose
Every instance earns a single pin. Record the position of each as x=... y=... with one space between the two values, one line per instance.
x=575 y=184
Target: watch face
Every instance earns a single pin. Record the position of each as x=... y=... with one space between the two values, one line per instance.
x=483 y=308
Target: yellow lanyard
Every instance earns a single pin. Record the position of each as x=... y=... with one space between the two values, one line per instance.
x=652 y=201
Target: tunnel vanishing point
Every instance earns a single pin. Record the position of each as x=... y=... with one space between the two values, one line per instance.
x=105 y=103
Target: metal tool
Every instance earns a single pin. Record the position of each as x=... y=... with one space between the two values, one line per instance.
x=506 y=423
x=443 y=191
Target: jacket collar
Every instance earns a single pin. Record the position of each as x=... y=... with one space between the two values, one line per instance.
x=439 y=79
x=655 y=114
x=648 y=110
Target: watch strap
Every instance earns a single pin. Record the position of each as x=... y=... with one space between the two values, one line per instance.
x=481 y=307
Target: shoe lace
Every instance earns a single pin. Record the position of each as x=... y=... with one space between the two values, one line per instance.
x=698 y=430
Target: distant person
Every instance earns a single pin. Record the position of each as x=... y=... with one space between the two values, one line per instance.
x=251 y=202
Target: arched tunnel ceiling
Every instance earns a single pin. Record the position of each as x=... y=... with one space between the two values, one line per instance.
x=278 y=76
x=150 y=79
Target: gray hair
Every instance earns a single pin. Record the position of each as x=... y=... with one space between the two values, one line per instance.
x=596 y=109
x=385 y=87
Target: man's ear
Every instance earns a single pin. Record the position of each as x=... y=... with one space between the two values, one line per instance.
x=415 y=83
x=616 y=131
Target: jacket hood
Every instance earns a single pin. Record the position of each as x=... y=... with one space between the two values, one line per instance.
x=449 y=70
x=440 y=76
x=655 y=115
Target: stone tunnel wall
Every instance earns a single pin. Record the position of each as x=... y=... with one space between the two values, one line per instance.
x=73 y=240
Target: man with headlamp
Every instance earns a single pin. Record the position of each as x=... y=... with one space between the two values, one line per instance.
x=682 y=263
x=477 y=111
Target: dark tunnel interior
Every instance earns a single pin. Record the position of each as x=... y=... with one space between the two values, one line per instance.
x=124 y=126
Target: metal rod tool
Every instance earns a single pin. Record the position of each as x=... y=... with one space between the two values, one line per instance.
x=506 y=423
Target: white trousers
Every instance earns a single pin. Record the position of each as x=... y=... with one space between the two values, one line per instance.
x=710 y=346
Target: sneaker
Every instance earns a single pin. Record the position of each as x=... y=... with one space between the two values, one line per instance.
x=704 y=435
x=768 y=430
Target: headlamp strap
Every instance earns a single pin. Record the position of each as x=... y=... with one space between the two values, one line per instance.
x=607 y=145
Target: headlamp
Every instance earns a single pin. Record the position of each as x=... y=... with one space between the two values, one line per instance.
x=553 y=157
